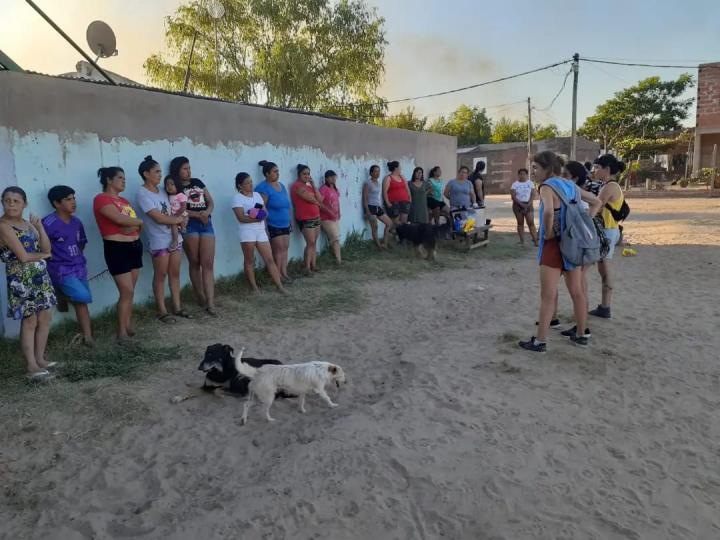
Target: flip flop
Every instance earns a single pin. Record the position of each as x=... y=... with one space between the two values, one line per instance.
x=167 y=319
x=211 y=311
x=184 y=314
x=53 y=366
x=39 y=376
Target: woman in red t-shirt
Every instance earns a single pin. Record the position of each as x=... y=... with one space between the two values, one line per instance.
x=307 y=201
x=120 y=229
x=396 y=194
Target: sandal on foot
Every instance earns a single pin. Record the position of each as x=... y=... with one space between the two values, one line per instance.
x=211 y=311
x=184 y=314
x=167 y=319
x=39 y=376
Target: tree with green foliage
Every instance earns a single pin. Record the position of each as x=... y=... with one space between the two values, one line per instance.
x=307 y=54
x=641 y=111
x=471 y=125
x=406 y=119
x=506 y=130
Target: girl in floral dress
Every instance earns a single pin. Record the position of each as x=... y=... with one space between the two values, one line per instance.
x=24 y=246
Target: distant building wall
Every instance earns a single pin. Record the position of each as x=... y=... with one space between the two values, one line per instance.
x=57 y=131
x=707 y=130
x=504 y=159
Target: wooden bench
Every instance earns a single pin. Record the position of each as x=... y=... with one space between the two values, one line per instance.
x=478 y=237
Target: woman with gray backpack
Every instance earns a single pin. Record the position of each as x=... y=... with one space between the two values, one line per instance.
x=568 y=241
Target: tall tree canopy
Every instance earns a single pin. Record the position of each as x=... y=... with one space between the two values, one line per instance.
x=641 y=111
x=309 y=54
x=471 y=125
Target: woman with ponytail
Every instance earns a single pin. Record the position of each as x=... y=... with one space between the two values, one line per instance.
x=120 y=230
x=166 y=255
x=277 y=203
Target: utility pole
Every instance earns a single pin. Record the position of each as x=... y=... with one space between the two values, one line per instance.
x=573 y=140
x=530 y=134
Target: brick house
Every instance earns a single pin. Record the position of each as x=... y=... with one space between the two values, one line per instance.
x=707 y=131
x=503 y=160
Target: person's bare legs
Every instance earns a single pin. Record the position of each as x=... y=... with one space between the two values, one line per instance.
x=266 y=254
x=191 y=246
x=549 y=279
x=28 y=326
x=126 y=289
x=160 y=270
x=42 y=331
x=207 y=269
x=372 y=220
x=573 y=281
x=520 y=220
x=604 y=270
x=308 y=235
x=82 y=314
x=403 y=218
x=389 y=225
x=530 y=219
x=279 y=246
x=585 y=287
x=174 y=262
x=248 y=249
x=315 y=235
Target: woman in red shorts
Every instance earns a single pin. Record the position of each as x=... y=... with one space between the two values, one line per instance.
x=546 y=170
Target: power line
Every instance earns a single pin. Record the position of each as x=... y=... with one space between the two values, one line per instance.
x=498 y=106
x=558 y=94
x=637 y=64
x=455 y=90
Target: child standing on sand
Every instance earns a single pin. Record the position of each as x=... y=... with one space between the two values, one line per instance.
x=178 y=207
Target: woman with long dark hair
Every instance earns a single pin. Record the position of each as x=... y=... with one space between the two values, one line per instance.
x=435 y=201
x=307 y=202
x=418 y=197
x=120 y=230
x=249 y=208
x=166 y=257
x=478 y=182
x=546 y=170
x=199 y=236
x=330 y=213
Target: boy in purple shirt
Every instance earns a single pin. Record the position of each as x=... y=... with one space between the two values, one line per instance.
x=68 y=267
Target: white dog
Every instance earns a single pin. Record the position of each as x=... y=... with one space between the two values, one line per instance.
x=297 y=379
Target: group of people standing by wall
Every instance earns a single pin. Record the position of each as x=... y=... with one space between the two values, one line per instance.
x=595 y=188
x=172 y=215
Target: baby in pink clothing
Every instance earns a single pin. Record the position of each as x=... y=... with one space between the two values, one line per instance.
x=178 y=207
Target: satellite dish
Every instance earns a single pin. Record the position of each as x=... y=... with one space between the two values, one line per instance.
x=101 y=39
x=215 y=9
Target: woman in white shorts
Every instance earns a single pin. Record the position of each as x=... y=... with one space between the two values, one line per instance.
x=250 y=212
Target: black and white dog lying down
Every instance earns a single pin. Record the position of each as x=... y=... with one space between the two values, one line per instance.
x=224 y=372
x=423 y=236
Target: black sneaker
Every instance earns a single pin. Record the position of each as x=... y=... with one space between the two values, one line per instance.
x=570 y=332
x=553 y=324
x=579 y=340
x=602 y=312
x=533 y=345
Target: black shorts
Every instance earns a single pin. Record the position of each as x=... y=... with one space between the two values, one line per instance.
x=376 y=211
x=274 y=232
x=432 y=204
x=122 y=257
x=397 y=208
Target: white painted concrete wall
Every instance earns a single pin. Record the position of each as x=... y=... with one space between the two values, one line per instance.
x=36 y=155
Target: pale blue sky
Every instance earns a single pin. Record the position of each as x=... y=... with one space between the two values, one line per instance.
x=434 y=45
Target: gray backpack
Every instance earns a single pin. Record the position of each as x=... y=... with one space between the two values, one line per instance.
x=579 y=240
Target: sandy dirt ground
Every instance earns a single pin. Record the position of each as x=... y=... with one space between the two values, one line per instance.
x=445 y=428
